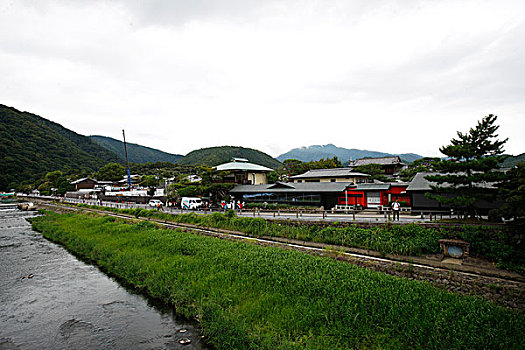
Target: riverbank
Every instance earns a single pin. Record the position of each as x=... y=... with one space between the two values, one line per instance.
x=495 y=246
x=51 y=300
x=249 y=296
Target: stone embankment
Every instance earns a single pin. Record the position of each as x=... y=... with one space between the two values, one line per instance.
x=504 y=292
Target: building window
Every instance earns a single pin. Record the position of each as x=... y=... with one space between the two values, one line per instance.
x=332 y=180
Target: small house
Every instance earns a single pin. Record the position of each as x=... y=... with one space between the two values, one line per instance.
x=243 y=172
x=391 y=164
x=331 y=175
x=84 y=183
x=315 y=194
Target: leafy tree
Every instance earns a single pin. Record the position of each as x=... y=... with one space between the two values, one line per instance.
x=63 y=185
x=272 y=177
x=472 y=157
x=53 y=180
x=53 y=176
x=111 y=172
x=421 y=165
x=512 y=190
x=327 y=163
x=292 y=167
x=190 y=191
x=149 y=181
x=45 y=188
x=25 y=187
x=375 y=171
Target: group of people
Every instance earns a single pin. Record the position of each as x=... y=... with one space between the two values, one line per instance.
x=235 y=205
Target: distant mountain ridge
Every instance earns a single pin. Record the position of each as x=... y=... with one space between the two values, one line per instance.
x=512 y=161
x=30 y=146
x=316 y=152
x=214 y=156
x=136 y=153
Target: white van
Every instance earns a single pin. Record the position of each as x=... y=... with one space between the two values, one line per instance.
x=190 y=203
x=155 y=203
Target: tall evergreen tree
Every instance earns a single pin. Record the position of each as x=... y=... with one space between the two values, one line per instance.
x=469 y=167
x=512 y=190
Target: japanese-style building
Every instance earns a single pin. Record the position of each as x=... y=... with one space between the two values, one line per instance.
x=391 y=164
x=84 y=183
x=244 y=173
x=373 y=195
x=316 y=194
x=331 y=175
x=419 y=186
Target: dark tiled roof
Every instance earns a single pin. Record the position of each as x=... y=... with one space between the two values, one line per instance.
x=420 y=183
x=381 y=160
x=335 y=172
x=312 y=187
x=373 y=187
x=82 y=180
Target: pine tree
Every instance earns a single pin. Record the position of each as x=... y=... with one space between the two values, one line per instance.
x=512 y=190
x=468 y=172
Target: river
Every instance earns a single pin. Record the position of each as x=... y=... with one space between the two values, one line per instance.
x=51 y=300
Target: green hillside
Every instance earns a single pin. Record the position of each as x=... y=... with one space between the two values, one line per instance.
x=513 y=161
x=30 y=146
x=136 y=153
x=217 y=155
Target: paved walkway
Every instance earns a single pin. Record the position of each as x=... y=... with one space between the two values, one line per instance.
x=279 y=215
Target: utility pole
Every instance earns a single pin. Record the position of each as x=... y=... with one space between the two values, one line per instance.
x=127 y=161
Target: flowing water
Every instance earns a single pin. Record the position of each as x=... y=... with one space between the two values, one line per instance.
x=51 y=300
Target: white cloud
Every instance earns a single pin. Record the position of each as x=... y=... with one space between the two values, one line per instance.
x=177 y=75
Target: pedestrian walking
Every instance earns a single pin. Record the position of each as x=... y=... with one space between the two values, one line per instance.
x=396 y=208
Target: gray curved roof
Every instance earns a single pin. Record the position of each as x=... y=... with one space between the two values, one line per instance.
x=312 y=187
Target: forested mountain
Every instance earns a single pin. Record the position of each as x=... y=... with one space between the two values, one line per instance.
x=217 y=155
x=316 y=152
x=30 y=146
x=513 y=161
x=136 y=153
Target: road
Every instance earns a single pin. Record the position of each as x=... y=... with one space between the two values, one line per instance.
x=368 y=216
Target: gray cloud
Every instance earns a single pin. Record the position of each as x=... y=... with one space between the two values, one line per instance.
x=230 y=63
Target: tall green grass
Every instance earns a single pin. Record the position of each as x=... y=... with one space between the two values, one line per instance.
x=253 y=297
x=507 y=250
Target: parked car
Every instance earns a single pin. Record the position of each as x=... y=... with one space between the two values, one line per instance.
x=155 y=203
x=191 y=203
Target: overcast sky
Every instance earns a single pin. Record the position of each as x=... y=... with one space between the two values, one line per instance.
x=391 y=76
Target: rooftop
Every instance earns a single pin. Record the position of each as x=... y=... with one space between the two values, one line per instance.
x=334 y=172
x=372 y=187
x=82 y=180
x=312 y=187
x=420 y=183
x=389 y=160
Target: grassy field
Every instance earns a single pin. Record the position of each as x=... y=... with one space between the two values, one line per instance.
x=496 y=245
x=253 y=297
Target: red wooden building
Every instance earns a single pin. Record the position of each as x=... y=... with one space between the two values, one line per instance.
x=374 y=195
